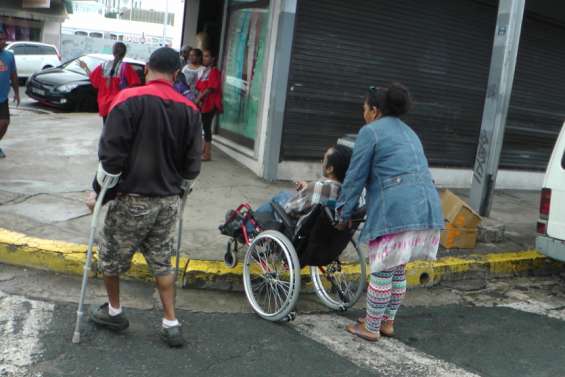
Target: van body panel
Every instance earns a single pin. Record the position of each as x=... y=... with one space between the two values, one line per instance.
x=555 y=180
x=551 y=247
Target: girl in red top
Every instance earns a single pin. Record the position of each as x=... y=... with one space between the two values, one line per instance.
x=111 y=77
x=209 y=87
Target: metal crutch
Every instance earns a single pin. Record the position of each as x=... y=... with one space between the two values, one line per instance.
x=106 y=181
x=187 y=187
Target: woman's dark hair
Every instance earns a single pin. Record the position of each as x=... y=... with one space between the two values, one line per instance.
x=339 y=158
x=122 y=47
x=123 y=50
x=393 y=99
x=198 y=52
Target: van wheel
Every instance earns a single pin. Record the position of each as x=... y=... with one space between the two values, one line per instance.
x=46 y=67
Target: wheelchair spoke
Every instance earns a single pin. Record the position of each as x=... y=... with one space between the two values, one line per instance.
x=280 y=287
x=260 y=286
x=338 y=285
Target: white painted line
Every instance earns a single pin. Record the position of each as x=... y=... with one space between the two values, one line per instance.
x=518 y=300
x=537 y=307
x=388 y=357
x=21 y=321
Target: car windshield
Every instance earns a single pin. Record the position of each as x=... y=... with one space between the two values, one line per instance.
x=90 y=61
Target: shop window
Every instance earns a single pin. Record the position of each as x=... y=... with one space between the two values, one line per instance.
x=244 y=69
x=20 y=29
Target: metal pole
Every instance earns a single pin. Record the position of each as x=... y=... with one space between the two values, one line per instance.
x=499 y=90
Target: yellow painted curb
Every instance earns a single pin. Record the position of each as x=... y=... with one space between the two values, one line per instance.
x=57 y=256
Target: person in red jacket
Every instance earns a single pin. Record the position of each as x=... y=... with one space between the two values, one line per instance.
x=111 y=77
x=209 y=100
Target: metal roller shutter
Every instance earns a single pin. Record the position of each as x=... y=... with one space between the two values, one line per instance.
x=537 y=106
x=441 y=51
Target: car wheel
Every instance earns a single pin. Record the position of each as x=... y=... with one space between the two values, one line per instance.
x=47 y=67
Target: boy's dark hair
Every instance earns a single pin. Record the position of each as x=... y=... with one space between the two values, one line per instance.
x=339 y=158
x=164 y=60
x=394 y=99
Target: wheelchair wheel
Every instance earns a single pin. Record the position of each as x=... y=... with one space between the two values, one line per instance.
x=337 y=284
x=271 y=276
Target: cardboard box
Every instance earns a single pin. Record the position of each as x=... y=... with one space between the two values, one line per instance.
x=457 y=212
x=454 y=237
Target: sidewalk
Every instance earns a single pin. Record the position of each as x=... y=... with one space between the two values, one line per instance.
x=52 y=160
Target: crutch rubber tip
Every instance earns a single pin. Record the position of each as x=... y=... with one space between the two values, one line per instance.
x=76 y=337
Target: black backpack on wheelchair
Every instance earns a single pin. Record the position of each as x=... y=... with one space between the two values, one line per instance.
x=315 y=237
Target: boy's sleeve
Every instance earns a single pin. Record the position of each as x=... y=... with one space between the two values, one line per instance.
x=115 y=145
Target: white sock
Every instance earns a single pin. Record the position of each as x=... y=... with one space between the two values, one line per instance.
x=113 y=311
x=168 y=324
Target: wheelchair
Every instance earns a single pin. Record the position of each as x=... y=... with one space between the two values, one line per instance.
x=277 y=248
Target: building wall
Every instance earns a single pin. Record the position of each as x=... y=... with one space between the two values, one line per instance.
x=263 y=157
x=52 y=33
x=37 y=24
x=441 y=51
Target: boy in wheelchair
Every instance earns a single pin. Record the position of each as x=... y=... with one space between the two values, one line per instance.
x=286 y=210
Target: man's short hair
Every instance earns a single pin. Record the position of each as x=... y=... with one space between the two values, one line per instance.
x=164 y=60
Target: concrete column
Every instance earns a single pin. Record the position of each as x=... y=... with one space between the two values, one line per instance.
x=52 y=33
x=269 y=152
x=190 y=24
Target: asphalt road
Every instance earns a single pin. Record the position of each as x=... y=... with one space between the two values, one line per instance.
x=501 y=328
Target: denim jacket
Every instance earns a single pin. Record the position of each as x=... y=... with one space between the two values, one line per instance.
x=388 y=160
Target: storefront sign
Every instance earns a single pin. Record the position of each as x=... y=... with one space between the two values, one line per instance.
x=36 y=3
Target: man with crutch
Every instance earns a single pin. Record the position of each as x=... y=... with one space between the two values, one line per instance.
x=152 y=136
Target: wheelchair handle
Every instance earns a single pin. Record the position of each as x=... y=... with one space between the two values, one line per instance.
x=331 y=216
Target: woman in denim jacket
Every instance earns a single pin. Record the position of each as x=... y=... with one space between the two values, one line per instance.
x=404 y=215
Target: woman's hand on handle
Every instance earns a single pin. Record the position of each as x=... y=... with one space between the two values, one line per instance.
x=343 y=225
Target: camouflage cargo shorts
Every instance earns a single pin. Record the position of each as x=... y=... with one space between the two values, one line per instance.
x=139 y=223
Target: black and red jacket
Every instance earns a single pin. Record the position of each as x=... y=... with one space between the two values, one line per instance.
x=153 y=136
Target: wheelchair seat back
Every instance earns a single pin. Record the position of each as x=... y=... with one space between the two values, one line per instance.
x=317 y=241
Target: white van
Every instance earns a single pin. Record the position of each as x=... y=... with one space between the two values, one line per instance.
x=32 y=57
x=551 y=225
